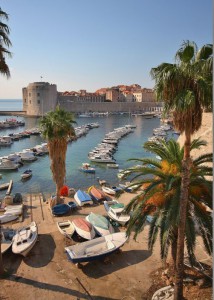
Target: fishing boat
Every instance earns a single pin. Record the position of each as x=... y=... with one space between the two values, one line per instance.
x=84 y=228
x=7 y=235
x=14 y=210
x=25 y=239
x=86 y=168
x=4 y=186
x=96 y=194
x=97 y=248
x=7 y=164
x=101 y=224
x=108 y=190
x=115 y=212
x=66 y=228
x=60 y=209
x=26 y=174
x=82 y=198
x=7 y=218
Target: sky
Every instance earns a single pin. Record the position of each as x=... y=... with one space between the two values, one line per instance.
x=90 y=44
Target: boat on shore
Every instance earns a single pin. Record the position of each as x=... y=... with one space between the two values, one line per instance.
x=7 y=235
x=101 y=224
x=60 y=209
x=8 y=218
x=108 y=190
x=84 y=228
x=25 y=239
x=82 y=198
x=97 y=248
x=96 y=194
x=66 y=228
x=115 y=212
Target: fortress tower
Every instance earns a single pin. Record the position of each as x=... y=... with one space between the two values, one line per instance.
x=39 y=98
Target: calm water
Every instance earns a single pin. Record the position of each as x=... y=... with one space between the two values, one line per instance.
x=10 y=104
x=130 y=146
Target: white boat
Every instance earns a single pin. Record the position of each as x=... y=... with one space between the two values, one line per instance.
x=101 y=224
x=26 y=174
x=27 y=156
x=97 y=248
x=66 y=228
x=115 y=212
x=108 y=190
x=113 y=166
x=14 y=210
x=82 y=198
x=84 y=228
x=7 y=164
x=7 y=218
x=25 y=239
x=7 y=235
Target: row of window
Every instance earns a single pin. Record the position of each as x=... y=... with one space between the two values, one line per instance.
x=29 y=94
x=38 y=101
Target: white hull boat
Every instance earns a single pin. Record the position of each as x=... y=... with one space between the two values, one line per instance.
x=7 y=235
x=66 y=228
x=108 y=190
x=101 y=224
x=115 y=212
x=7 y=218
x=84 y=228
x=26 y=174
x=82 y=198
x=14 y=210
x=25 y=239
x=97 y=248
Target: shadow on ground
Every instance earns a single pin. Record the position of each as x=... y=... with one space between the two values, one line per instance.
x=116 y=261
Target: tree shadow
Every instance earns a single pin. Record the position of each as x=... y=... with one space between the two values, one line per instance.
x=117 y=261
x=55 y=288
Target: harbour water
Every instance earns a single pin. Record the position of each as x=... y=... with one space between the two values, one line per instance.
x=131 y=146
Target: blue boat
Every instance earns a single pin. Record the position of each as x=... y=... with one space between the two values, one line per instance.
x=60 y=209
x=82 y=198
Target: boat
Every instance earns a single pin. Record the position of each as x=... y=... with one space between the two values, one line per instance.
x=4 y=186
x=72 y=205
x=60 y=209
x=115 y=212
x=66 y=228
x=84 y=228
x=96 y=194
x=25 y=239
x=7 y=164
x=7 y=218
x=26 y=174
x=86 y=168
x=101 y=224
x=82 y=198
x=14 y=210
x=2 y=206
x=113 y=166
x=97 y=248
x=108 y=190
x=7 y=235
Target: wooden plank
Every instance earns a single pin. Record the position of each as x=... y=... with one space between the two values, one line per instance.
x=9 y=187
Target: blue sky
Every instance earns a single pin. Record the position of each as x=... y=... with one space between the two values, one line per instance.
x=89 y=44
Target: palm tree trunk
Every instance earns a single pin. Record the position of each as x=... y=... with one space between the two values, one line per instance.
x=1 y=261
x=178 y=295
x=174 y=249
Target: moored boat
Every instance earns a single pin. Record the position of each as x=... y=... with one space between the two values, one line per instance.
x=83 y=228
x=25 y=239
x=26 y=174
x=115 y=212
x=86 y=168
x=97 y=248
x=66 y=228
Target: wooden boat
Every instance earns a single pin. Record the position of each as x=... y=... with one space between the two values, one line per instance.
x=25 y=239
x=26 y=174
x=86 y=168
x=7 y=235
x=60 y=209
x=108 y=190
x=66 y=228
x=96 y=194
x=114 y=210
x=82 y=198
x=84 y=228
x=97 y=248
x=101 y=224
x=7 y=218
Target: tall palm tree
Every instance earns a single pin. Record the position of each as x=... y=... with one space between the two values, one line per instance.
x=159 y=197
x=5 y=43
x=56 y=127
x=186 y=89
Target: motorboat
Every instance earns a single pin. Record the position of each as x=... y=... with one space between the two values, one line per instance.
x=7 y=164
x=26 y=174
x=97 y=248
x=66 y=228
x=108 y=190
x=7 y=235
x=82 y=198
x=25 y=239
x=96 y=194
x=101 y=224
x=113 y=166
x=84 y=228
x=4 y=186
x=86 y=168
x=27 y=156
x=115 y=212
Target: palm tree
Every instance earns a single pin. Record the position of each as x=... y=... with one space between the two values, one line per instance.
x=5 y=43
x=56 y=127
x=186 y=89
x=159 y=197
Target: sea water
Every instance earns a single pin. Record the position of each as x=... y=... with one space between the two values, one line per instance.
x=130 y=146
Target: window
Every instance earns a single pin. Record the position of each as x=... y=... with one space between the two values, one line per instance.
x=38 y=94
x=38 y=101
x=30 y=101
x=29 y=94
